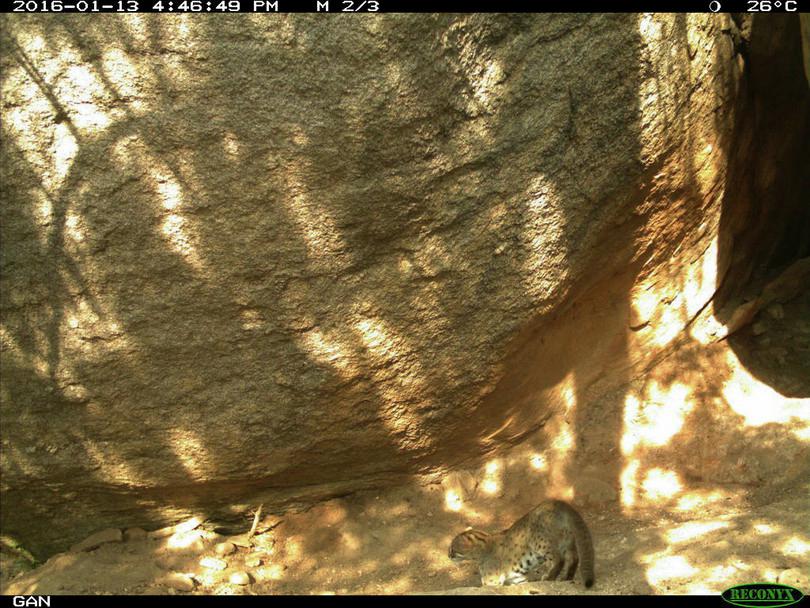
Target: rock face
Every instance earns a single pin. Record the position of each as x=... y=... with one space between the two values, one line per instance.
x=277 y=259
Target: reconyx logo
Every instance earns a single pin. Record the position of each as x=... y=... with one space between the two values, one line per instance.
x=762 y=595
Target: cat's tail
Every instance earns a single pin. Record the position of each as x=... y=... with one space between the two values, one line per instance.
x=582 y=537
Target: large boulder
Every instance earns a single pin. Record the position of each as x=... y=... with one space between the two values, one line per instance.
x=276 y=259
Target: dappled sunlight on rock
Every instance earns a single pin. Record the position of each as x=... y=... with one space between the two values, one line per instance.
x=659 y=485
x=654 y=418
x=562 y=449
x=252 y=319
x=64 y=150
x=124 y=76
x=452 y=501
x=175 y=226
x=388 y=298
x=77 y=86
x=190 y=451
x=746 y=394
x=324 y=241
x=666 y=304
x=669 y=324
x=490 y=486
x=492 y=481
x=460 y=490
x=87 y=116
x=12 y=350
x=700 y=278
x=352 y=542
x=56 y=159
x=186 y=32
x=542 y=236
x=230 y=143
x=169 y=194
x=392 y=350
x=103 y=457
x=137 y=26
x=538 y=462
x=328 y=350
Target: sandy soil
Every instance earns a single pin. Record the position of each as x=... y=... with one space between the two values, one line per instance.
x=396 y=540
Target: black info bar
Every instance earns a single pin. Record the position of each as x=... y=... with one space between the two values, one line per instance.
x=401 y=6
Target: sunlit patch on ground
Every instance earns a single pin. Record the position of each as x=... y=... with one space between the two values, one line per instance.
x=701 y=498
x=796 y=546
x=766 y=528
x=666 y=568
x=692 y=530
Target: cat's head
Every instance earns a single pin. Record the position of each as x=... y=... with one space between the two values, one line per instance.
x=470 y=544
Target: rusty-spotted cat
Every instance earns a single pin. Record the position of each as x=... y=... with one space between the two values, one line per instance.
x=553 y=534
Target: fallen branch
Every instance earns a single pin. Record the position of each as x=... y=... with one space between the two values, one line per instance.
x=256 y=517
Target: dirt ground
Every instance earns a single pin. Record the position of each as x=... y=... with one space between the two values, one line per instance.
x=395 y=541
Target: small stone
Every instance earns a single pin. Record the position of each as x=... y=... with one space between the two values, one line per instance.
x=212 y=563
x=187 y=526
x=776 y=311
x=190 y=542
x=135 y=534
x=162 y=532
x=225 y=548
x=758 y=328
x=794 y=577
x=239 y=578
x=253 y=560
x=181 y=528
x=75 y=394
x=178 y=581
x=110 y=535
